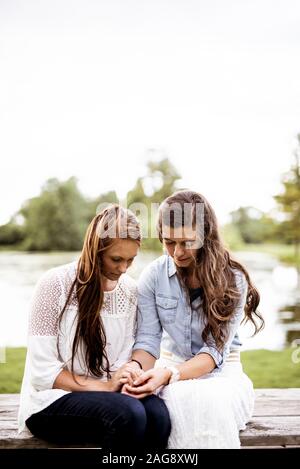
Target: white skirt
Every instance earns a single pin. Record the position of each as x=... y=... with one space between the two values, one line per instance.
x=208 y=412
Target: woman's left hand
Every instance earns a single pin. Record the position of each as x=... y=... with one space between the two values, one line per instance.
x=147 y=383
x=127 y=373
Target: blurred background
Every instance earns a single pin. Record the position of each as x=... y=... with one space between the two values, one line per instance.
x=126 y=101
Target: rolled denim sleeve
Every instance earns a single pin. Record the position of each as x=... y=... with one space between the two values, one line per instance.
x=149 y=329
x=234 y=323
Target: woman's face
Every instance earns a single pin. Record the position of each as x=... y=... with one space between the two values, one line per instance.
x=118 y=257
x=180 y=244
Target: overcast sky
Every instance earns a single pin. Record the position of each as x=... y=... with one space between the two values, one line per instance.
x=89 y=87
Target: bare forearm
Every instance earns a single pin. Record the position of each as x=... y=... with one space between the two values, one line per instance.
x=145 y=358
x=197 y=366
x=66 y=382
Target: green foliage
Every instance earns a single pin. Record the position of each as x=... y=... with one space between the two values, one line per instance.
x=11 y=234
x=158 y=183
x=257 y=227
x=57 y=218
x=137 y=194
x=98 y=204
x=166 y=176
x=289 y=200
x=254 y=225
x=289 y=204
x=232 y=236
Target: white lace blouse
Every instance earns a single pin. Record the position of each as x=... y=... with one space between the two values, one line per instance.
x=44 y=360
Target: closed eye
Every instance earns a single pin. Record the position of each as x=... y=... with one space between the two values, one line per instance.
x=169 y=241
x=120 y=260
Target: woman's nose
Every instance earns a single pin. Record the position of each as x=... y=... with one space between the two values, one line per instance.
x=123 y=268
x=179 y=251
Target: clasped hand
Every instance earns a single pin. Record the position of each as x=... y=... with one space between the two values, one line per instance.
x=147 y=383
x=127 y=373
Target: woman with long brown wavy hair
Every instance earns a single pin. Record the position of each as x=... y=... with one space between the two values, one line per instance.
x=191 y=302
x=81 y=333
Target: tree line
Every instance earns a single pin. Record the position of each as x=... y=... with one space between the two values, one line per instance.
x=57 y=218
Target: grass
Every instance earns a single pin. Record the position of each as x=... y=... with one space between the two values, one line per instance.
x=272 y=369
x=267 y=369
x=11 y=372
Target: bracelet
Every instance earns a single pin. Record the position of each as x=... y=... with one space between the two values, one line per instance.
x=136 y=361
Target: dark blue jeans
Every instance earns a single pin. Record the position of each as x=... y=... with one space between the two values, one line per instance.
x=110 y=420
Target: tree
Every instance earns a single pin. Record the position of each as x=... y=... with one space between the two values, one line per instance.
x=12 y=233
x=254 y=225
x=137 y=194
x=231 y=236
x=57 y=218
x=158 y=183
x=98 y=204
x=164 y=177
x=289 y=204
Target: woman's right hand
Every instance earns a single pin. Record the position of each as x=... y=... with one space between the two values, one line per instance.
x=148 y=383
x=127 y=373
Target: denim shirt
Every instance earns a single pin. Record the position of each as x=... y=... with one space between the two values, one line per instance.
x=167 y=319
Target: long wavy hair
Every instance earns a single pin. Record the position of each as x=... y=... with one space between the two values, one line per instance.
x=213 y=267
x=110 y=224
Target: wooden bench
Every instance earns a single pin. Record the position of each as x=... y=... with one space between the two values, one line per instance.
x=275 y=423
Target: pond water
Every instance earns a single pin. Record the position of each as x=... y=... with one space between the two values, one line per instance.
x=276 y=283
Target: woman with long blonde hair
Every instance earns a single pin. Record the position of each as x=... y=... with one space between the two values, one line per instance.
x=191 y=302
x=81 y=333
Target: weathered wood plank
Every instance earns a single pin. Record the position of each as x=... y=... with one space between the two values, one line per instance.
x=11 y=439
x=263 y=407
x=9 y=408
x=8 y=425
x=5 y=398
x=275 y=423
x=274 y=431
x=265 y=447
x=29 y=443
x=279 y=393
